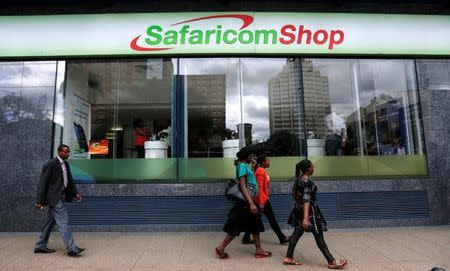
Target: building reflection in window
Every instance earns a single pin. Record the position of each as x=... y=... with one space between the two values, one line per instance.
x=374 y=107
x=280 y=106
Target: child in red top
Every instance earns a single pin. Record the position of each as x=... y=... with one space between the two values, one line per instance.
x=262 y=200
x=262 y=179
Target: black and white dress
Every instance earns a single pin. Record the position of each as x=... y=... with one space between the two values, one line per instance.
x=305 y=191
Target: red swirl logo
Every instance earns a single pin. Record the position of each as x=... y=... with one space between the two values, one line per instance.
x=246 y=21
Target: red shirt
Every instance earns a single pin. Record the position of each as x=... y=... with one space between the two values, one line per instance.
x=263 y=185
x=138 y=138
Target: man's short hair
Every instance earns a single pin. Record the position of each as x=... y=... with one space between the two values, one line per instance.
x=62 y=146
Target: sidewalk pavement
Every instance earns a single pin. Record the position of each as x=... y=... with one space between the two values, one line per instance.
x=379 y=249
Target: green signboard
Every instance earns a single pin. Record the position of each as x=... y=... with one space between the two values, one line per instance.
x=235 y=33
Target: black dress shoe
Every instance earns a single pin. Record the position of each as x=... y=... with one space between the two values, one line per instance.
x=75 y=251
x=44 y=250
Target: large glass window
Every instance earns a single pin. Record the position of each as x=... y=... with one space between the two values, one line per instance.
x=211 y=89
x=26 y=111
x=90 y=107
x=389 y=107
x=116 y=109
x=273 y=105
x=361 y=107
x=331 y=107
x=366 y=110
x=144 y=107
x=26 y=91
x=111 y=108
x=352 y=117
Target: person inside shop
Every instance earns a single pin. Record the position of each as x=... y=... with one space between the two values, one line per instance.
x=306 y=216
x=141 y=134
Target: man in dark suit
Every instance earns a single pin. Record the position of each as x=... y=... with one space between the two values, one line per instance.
x=56 y=186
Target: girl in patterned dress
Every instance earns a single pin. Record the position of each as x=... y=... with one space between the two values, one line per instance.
x=306 y=216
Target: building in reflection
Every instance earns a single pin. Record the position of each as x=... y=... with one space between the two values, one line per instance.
x=206 y=96
x=246 y=129
x=285 y=104
x=284 y=99
x=385 y=122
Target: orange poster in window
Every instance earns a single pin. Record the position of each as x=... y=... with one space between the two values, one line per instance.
x=98 y=146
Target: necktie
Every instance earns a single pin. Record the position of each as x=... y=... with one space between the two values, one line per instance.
x=64 y=173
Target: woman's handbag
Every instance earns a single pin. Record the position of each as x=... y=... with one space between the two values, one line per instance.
x=233 y=191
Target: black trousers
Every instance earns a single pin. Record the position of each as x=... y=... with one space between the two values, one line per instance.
x=140 y=151
x=320 y=241
x=268 y=212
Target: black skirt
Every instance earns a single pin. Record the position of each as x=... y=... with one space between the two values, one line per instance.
x=240 y=219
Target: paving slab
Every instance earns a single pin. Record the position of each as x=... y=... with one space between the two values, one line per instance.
x=387 y=249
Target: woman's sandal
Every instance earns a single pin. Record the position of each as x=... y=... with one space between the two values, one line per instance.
x=222 y=254
x=338 y=264
x=263 y=255
x=289 y=261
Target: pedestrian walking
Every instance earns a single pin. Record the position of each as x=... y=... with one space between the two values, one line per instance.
x=244 y=215
x=306 y=216
x=56 y=187
x=263 y=200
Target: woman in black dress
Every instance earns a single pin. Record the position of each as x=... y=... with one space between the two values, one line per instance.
x=244 y=216
x=306 y=216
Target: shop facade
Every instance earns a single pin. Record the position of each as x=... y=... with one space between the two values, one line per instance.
x=364 y=96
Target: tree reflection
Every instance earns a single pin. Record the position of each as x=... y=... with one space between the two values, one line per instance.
x=16 y=108
x=280 y=143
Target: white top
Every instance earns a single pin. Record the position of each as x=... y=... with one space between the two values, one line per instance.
x=168 y=138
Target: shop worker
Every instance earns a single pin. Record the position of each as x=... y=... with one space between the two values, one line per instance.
x=56 y=187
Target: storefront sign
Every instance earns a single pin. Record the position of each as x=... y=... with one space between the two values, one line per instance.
x=287 y=34
x=249 y=33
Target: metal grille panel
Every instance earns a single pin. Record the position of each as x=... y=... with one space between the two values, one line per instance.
x=213 y=210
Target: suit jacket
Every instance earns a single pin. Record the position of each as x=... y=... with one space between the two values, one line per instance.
x=51 y=184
